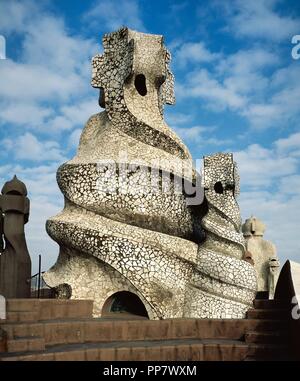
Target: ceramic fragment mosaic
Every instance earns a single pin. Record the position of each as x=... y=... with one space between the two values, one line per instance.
x=128 y=223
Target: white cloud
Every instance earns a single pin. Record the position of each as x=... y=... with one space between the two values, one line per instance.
x=279 y=108
x=178 y=118
x=201 y=136
x=250 y=83
x=51 y=72
x=288 y=74
x=194 y=52
x=194 y=134
x=58 y=123
x=260 y=19
x=262 y=115
x=244 y=69
x=19 y=81
x=40 y=180
x=78 y=114
x=61 y=52
x=15 y=15
x=292 y=142
x=290 y=184
x=70 y=116
x=260 y=167
x=28 y=147
x=202 y=84
x=22 y=113
x=113 y=14
x=245 y=61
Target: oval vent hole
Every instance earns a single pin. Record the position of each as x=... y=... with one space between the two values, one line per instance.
x=218 y=187
x=140 y=84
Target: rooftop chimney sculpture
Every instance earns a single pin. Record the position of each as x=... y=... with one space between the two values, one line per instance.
x=266 y=262
x=132 y=228
x=15 y=262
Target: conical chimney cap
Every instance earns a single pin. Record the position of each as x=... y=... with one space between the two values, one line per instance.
x=14 y=186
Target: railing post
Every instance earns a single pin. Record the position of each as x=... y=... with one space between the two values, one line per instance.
x=39 y=276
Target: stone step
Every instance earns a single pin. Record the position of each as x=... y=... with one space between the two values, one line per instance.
x=56 y=332
x=24 y=310
x=19 y=305
x=21 y=317
x=172 y=350
x=268 y=352
x=65 y=309
x=224 y=350
x=276 y=337
x=270 y=304
x=26 y=344
x=276 y=314
x=99 y=330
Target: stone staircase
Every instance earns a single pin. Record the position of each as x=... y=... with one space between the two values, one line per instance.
x=272 y=343
x=49 y=329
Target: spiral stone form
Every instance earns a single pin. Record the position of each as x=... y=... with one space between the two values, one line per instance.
x=124 y=227
x=226 y=283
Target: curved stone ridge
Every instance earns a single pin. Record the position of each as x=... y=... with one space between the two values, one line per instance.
x=140 y=256
x=119 y=231
x=128 y=197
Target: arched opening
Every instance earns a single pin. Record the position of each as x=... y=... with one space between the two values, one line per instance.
x=124 y=304
x=140 y=84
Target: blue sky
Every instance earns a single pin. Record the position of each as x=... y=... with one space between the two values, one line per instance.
x=237 y=90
